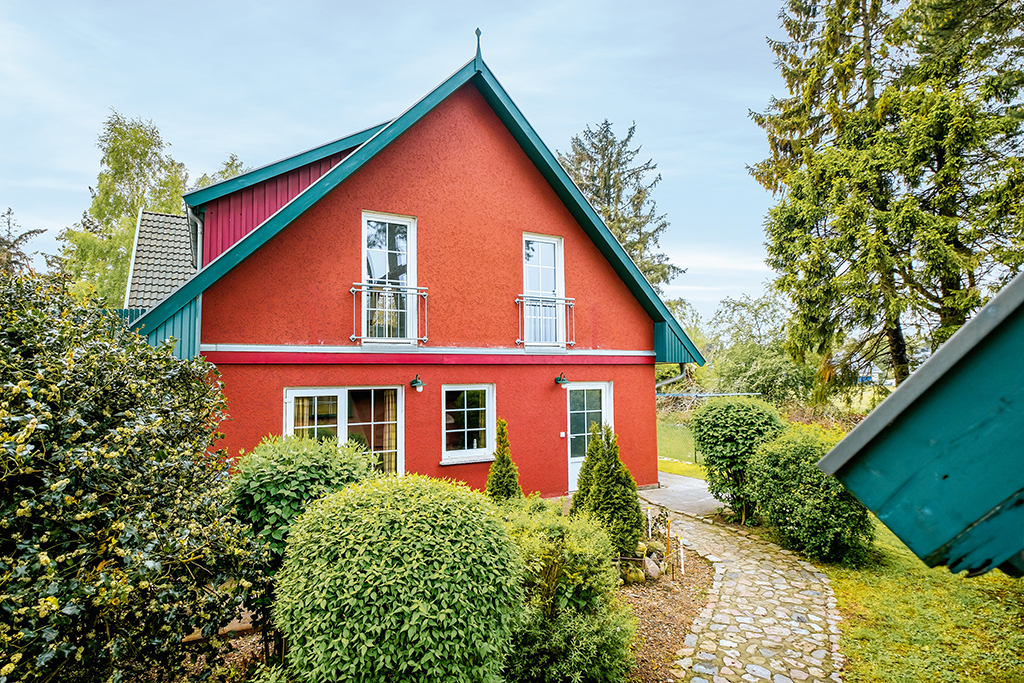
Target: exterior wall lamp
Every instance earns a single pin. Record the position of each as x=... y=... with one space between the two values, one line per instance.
x=562 y=381
x=417 y=384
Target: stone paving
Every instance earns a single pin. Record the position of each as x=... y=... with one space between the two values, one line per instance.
x=770 y=616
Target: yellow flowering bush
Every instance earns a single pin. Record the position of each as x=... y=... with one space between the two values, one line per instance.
x=114 y=538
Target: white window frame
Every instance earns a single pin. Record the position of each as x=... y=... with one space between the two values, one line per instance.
x=291 y=393
x=485 y=453
x=411 y=301
x=607 y=411
x=559 y=289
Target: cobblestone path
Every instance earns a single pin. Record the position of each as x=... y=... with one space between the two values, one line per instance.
x=770 y=615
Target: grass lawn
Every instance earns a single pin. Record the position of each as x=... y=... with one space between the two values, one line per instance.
x=906 y=622
x=675 y=449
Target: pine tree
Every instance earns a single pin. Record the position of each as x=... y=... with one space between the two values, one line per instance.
x=13 y=258
x=607 y=491
x=503 y=475
x=603 y=168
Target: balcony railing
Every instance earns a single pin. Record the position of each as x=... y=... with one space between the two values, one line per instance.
x=546 y=320
x=389 y=313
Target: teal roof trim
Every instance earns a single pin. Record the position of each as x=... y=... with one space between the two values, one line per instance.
x=674 y=346
x=205 y=195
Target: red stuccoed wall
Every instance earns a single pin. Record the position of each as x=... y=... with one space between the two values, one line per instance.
x=526 y=397
x=474 y=193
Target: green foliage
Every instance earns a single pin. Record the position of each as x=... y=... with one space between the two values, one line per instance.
x=810 y=511
x=603 y=168
x=229 y=168
x=727 y=431
x=13 y=258
x=503 y=475
x=399 y=578
x=606 y=490
x=282 y=475
x=114 y=543
x=574 y=628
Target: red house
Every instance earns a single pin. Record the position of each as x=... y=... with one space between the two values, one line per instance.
x=408 y=285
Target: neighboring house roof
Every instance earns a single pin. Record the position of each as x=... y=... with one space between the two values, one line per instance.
x=162 y=259
x=939 y=460
x=671 y=343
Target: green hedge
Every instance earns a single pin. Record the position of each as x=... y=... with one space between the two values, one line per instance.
x=574 y=627
x=115 y=542
x=810 y=511
x=727 y=432
x=399 y=578
x=503 y=475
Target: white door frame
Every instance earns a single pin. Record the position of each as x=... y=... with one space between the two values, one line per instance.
x=607 y=417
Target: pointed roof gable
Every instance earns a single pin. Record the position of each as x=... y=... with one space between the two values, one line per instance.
x=671 y=343
x=162 y=258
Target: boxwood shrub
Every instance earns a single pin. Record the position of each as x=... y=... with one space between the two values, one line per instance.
x=810 y=511
x=727 y=431
x=399 y=578
x=574 y=628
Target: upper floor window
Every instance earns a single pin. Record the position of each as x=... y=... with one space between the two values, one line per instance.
x=388 y=286
x=543 y=302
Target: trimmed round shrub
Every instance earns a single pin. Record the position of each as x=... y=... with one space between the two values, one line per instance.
x=606 y=490
x=727 y=431
x=278 y=478
x=574 y=628
x=812 y=512
x=399 y=578
x=115 y=541
x=503 y=475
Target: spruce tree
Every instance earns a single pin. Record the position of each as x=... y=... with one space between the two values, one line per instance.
x=503 y=476
x=604 y=169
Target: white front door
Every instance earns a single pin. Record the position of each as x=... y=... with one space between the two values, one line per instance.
x=589 y=403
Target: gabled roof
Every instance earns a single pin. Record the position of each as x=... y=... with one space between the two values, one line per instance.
x=162 y=259
x=671 y=343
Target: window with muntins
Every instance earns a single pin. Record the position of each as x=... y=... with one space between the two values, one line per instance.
x=371 y=418
x=389 y=277
x=469 y=423
x=543 y=313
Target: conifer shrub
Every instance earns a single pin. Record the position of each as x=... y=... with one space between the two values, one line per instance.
x=282 y=475
x=811 y=512
x=115 y=542
x=503 y=475
x=399 y=578
x=574 y=628
x=606 y=490
x=727 y=431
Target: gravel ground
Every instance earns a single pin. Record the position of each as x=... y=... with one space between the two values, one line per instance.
x=664 y=610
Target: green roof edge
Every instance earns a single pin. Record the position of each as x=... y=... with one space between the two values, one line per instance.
x=475 y=71
x=205 y=195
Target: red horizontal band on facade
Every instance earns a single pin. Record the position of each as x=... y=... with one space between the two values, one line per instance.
x=289 y=358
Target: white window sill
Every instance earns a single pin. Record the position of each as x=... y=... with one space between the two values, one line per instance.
x=466 y=459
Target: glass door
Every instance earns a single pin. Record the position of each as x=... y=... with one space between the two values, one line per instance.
x=588 y=405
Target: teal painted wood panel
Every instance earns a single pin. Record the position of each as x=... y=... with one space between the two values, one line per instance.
x=182 y=327
x=947 y=474
x=670 y=348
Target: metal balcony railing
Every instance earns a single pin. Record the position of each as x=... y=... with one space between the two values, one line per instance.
x=388 y=313
x=546 y=320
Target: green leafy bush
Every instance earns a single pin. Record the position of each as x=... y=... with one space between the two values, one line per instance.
x=606 y=490
x=503 y=476
x=399 y=578
x=727 y=431
x=281 y=475
x=114 y=542
x=574 y=628
x=811 y=511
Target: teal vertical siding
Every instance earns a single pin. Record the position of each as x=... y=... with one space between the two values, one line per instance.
x=669 y=348
x=182 y=326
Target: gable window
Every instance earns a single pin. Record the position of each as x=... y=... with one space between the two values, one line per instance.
x=542 y=312
x=388 y=284
x=368 y=415
x=469 y=423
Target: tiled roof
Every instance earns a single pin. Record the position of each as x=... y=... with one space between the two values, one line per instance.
x=162 y=259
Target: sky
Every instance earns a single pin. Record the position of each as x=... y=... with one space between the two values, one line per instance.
x=267 y=80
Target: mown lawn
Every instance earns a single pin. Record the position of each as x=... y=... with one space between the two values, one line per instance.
x=676 y=454
x=906 y=622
